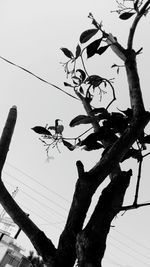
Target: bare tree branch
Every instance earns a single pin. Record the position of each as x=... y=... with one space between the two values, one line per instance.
x=136 y=98
x=7 y=135
x=114 y=155
x=135 y=23
x=138 y=182
x=91 y=241
x=37 y=237
x=131 y=207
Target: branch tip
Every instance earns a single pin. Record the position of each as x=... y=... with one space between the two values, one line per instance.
x=80 y=168
x=14 y=107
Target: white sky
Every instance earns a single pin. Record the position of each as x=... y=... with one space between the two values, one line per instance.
x=32 y=33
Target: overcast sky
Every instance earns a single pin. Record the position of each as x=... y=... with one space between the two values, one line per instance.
x=32 y=33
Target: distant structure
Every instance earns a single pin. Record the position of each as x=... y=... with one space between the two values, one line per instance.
x=6 y=223
x=10 y=251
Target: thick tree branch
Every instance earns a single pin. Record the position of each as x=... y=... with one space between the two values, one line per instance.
x=135 y=23
x=134 y=84
x=80 y=204
x=42 y=244
x=37 y=237
x=7 y=135
x=117 y=48
x=96 y=128
x=114 y=155
x=91 y=242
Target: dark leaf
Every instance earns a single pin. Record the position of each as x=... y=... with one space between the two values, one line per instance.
x=99 y=110
x=132 y=153
x=114 y=66
x=87 y=35
x=128 y=112
x=78 y=51
x=102 y=49
x=126 y=15
x=67 y=84
x=93 y=146
x=146 y=139
x=94 y=137
x=81 y=90
x=82 y=74
x=117 y=122
x=67 y=52
x=41 y=130
x=68 y=145
x=118 y=70
x=92 y=48
x=94 y=80
x=81 y=119
x=76 y=80
x=102 y=116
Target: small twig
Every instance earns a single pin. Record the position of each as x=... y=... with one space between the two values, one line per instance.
x=76 y=138
x=84 y=65
x=138 y=182
x=113 y=91
x=131 y=207
x=135 y=23
x=146 y=155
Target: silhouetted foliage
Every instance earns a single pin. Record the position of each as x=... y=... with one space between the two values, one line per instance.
x=117 y=134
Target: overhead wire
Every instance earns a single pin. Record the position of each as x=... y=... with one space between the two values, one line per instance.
x=63 y=216
x=37 y=192
x=133 y=240
x=35 y=180
x=133 y=249
x=114 y=262
x=54 y=225
x=119 y=259
x=127 y=253
x=36 y=200
x=43 y=218
x=43 y=205
x=39 y=78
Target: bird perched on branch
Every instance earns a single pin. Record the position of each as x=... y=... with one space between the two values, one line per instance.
x=58 y=128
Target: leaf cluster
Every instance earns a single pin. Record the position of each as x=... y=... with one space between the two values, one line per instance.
x=127 y=11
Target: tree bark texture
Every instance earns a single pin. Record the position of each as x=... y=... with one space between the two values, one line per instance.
x=87 y=244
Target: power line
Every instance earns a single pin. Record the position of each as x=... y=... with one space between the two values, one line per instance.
x=35 y=191
x=39 y=78
x=127 y=253
x=133 y=249
x=119 y=259
x=114 y=262
x=47 y=221
x=32 y=178
x=36 y=200
x=54 y=225
x=133 y=240
x=43 y=205
x=63 y=216
x=41 y=217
